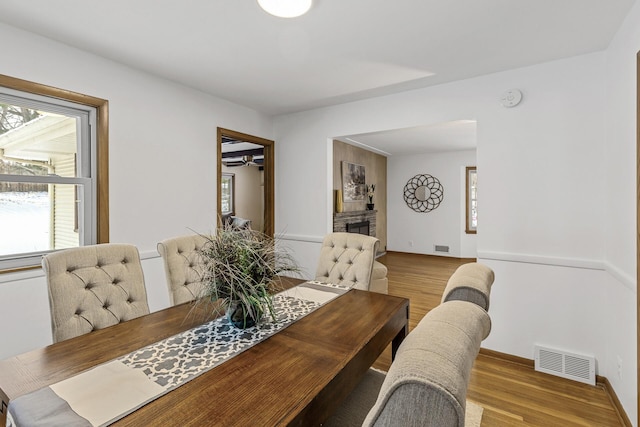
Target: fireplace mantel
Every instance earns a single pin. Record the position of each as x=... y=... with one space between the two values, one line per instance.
x=341 y=219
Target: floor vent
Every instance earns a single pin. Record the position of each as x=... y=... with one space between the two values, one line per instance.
x=442 y=248
x=566 y=365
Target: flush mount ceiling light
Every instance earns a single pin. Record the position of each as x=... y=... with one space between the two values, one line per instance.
x=285 y=8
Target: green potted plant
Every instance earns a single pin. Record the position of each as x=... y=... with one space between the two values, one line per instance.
x=240 y=269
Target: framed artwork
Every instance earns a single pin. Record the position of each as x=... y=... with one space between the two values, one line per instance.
x=353 y=183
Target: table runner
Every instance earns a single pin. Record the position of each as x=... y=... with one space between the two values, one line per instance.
x=109 y=392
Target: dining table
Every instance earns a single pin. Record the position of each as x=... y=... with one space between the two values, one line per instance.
x=296 y=377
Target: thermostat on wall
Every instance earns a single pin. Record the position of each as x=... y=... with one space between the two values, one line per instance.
x=511 y=98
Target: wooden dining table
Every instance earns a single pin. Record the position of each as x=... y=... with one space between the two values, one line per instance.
x=296 y=377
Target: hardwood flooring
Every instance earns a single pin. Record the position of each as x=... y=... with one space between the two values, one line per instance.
x=512 y=393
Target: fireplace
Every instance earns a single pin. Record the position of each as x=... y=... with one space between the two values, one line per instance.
x=361 y=227
x=363 y=222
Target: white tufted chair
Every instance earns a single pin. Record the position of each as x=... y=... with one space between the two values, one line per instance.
x=183 y=267
x=347 y=259
x=94 y=287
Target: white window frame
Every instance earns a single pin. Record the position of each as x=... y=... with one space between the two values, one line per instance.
x=470 y=228
x=85 y=180
x=231 y=177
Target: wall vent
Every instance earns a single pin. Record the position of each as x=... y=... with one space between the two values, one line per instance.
x=442 y=248
x=566 y=365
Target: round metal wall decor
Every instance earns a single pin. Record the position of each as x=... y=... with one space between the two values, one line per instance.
x=423 y=193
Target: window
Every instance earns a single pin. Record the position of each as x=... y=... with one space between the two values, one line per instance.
x=472 y=200
x=227 y=193
x=52 y=149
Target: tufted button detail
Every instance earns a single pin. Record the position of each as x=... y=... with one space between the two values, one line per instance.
x=129 y=300
x=115 y=282
x=124 y=260
x=350 y=261
x=98 y=266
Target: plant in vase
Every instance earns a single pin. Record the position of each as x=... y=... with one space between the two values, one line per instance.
x=371 y=189
x=239 y=273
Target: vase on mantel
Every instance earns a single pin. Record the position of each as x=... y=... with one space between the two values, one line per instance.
x=369 y=206
x=339 y=205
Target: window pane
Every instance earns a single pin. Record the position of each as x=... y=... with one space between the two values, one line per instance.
x=37 y=217
x=471 y=202
x=226 y=193
x=36 y=142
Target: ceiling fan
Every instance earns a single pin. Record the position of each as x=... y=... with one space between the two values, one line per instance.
x=244 y=161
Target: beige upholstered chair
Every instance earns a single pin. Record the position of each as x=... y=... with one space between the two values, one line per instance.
x=379 y=281
x=428 y=379
x=183 y=267
x=94 y=287
x=347 y=259
x=470 y=282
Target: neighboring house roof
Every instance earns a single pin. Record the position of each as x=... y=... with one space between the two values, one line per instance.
x=44 y=139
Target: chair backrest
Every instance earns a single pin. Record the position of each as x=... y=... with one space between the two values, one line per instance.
x=347 y=259
x=93 y=287
x=470 y=282
x=427 y=382
x=183 y=267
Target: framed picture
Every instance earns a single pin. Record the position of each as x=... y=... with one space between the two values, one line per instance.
x=353 y=183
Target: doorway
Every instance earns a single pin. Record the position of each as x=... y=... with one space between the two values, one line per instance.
x=229 y=147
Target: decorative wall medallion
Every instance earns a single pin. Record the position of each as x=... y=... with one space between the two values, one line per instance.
x=423 y=193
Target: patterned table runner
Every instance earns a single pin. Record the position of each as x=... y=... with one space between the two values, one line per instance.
x=109 y=392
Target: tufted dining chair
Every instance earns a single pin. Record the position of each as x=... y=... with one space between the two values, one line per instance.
x=183 y=267
x=93 y=287
x=347 y=259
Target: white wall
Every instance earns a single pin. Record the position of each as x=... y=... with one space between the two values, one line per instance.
x=543 y=179
x=418 y=232
x=620 y=209
x=162 y=166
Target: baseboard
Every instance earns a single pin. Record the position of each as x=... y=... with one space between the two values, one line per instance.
x=529 y=363
x=600 y=381
x=622 y=415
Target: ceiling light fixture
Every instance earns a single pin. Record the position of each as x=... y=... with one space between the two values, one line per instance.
x=286 y=8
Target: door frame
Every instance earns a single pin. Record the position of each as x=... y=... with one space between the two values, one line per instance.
x=269 y=181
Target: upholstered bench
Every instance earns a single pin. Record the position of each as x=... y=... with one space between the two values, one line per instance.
x=470 y=282
x=428 y=380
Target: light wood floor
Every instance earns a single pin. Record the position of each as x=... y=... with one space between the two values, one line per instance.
x=513 y=394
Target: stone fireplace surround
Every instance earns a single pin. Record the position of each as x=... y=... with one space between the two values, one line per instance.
x=341 y=219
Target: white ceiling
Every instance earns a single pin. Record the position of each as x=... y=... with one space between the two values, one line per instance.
x=341 y=50
x=457 y=135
